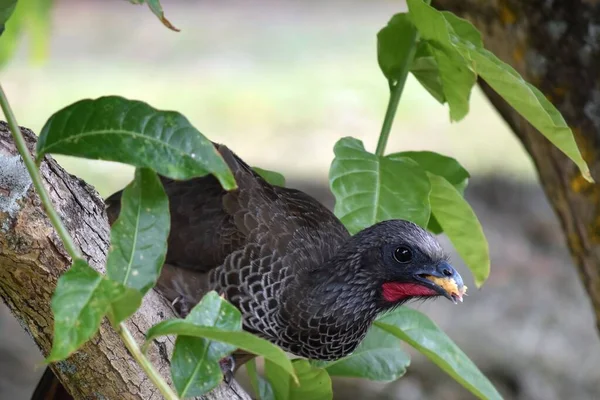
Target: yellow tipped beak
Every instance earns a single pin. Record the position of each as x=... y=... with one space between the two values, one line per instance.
x=450 y=286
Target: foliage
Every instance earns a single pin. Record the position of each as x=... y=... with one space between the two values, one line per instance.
x=194 y=364
x=446 y=55
x=420 y=332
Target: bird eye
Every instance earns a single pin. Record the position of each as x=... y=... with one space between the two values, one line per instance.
x=403 y=254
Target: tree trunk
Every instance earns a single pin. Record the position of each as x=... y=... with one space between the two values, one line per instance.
x=32 y=258
x=555 y=45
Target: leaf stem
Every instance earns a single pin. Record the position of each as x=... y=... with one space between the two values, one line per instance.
x=36 y=178
x=396 y=88
x=141 y=359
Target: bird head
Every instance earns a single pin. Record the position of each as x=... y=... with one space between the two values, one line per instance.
x=408 y=263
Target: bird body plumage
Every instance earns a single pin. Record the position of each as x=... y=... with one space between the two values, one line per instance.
x=287 y=263
x=281 y=257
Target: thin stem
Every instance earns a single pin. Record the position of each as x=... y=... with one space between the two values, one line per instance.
x=396 y=89
x=137 y=354
x=36 y=178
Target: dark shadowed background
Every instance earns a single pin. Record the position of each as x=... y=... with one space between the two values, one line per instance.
x=279 y=82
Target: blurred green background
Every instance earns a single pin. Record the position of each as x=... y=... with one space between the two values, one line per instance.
x=279 y=82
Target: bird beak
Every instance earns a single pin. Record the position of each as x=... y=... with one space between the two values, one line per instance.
x=444 y=279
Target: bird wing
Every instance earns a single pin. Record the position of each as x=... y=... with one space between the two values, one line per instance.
x=255 y=232
x=202 y=233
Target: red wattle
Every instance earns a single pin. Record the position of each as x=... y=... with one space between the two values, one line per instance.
x=396 y=291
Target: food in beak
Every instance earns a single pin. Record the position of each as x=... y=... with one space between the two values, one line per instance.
x=450 y=286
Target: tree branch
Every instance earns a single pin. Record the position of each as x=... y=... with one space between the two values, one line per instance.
x=32 y=258
x=556 y=46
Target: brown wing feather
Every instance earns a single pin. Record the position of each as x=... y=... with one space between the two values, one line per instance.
x=202 y=232
x=255 y=238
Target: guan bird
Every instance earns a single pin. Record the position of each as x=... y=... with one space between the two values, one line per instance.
x=298 y=277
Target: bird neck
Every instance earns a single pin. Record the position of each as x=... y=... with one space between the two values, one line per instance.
x=339 y=291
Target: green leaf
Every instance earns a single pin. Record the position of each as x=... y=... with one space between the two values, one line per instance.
x=463 y=29
x=440 y=165
x=314 y=383
x=394 y=44
x=430 y=23
x=242 y=340
x=378 y=357
x=7 y=7
x=421 y=333
x=460 y=223
x=457 y=82
x=528 y=101
x=457 y=37
x=456 y=77
x=116 y=129
x=157 y=10
x=195 y=363
x=261 y=387
x=370 y=189
x=274 y=178
x=81 y=299
x=125 y=305
x=139 y=236
x=425 y=69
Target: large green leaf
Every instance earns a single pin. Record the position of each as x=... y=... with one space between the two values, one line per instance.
x=378 y=357
x=425 y=69
x=461 y=226
x=369 y=189
x=455 y=76
x=458 y=38
x=430 y=23
x=440 y=165
x=125 y=305
x=421 y=333
x=242 y=340
x=128 y=131
x=457 y=81
x=274 y=178
x=528 y=101
x=314 y=383
x=195 y=363
x=81 y=299
x=463 y=28
x=394 y=46
x=139 y=236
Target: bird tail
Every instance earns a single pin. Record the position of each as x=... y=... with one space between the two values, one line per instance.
x=237 y=166
x=234 y=163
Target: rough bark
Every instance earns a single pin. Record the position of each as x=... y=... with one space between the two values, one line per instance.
x=554 y=44
x=31 y=260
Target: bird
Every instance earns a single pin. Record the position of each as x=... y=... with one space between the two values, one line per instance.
x=298 y=277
